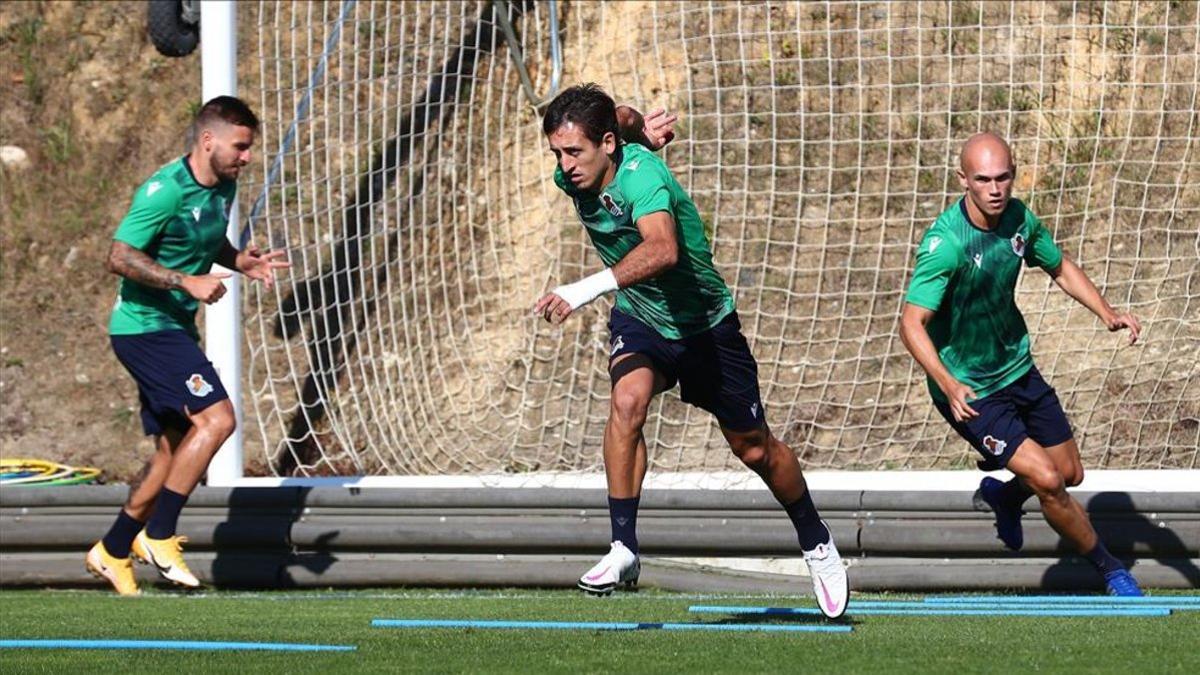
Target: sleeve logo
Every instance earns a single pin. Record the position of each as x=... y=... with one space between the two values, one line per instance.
x=933 y=243
x=152 y=188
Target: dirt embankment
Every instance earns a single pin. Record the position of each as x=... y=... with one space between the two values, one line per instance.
x=97 y=109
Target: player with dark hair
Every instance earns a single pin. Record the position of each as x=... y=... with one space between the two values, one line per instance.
x=163 y=251
x=962 y=325
x=674 y=321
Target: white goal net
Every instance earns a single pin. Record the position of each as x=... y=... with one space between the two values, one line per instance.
x=405 y=172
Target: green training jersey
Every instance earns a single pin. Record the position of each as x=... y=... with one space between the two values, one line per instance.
x=181 y=225
x=689 y=298
x=967 y=276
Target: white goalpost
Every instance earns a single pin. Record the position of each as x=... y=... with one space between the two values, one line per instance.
x=223 y=321
x=404 y=170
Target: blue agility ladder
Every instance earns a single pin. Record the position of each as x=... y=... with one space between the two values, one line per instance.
x=933 y=610
x=173 y=644
x=1069 y=600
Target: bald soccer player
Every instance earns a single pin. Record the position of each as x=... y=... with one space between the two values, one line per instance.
x=961 y=323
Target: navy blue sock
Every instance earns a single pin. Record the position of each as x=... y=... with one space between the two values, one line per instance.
x=120 y=535
x=166 y=514
x=623 y=515
x=1015 y=494
x=1103 y=561
x=809 y=528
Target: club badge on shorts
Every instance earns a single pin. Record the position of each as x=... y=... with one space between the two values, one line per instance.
x=198 y=385
x=994 y=445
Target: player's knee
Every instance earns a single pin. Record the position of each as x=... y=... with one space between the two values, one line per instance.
x=218 y=420
x=629 y=407
x=752 y=450
x=1073 y=477
x=1046 y=481
x=753 y=456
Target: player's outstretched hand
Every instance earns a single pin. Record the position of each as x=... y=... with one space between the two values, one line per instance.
x=259 y=265
x=206 y=288
x=1126 y=320
x=958 y=394
x=553 y=308
x=659 y=127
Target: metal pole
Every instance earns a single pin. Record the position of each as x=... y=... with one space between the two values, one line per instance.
x=223 y=320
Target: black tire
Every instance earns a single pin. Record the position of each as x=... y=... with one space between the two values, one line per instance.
x=168 y=31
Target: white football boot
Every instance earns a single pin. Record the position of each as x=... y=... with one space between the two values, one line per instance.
x=619 y=567
x=828 y=578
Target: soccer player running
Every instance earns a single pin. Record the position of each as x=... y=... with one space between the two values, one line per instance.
x=673 y=321
x=961 y=323
x=164 y=250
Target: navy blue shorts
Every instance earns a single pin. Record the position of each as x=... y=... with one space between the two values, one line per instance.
x=715 y=369
x=173 y=376
x=1027 y=408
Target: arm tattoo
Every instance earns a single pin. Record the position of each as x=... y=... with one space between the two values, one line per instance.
x=135 y=265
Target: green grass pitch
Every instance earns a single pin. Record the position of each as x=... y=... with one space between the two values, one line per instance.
x=878 y=643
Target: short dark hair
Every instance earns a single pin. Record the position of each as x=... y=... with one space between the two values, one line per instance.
x=228 y=109
x=586 y=105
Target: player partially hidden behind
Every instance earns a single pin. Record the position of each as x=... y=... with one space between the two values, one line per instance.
x=673 y=321
x=962 y=325
x=164 y=250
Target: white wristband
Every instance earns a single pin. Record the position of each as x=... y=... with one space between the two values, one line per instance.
x=587 y=289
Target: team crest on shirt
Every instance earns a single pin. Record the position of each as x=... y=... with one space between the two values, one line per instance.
x=196 y=213
x=607 y=200
x=994 y=445
x=198 y=385
x=1018 y=245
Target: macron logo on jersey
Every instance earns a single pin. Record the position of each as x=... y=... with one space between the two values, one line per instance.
x=152 y=188
x=196 y=213
x=933 y=243
x=633 y=165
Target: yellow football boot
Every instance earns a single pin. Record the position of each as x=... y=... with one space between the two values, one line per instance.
x=167 y=557
x=116 y=571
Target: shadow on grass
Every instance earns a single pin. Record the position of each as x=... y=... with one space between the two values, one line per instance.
x=783 y=617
